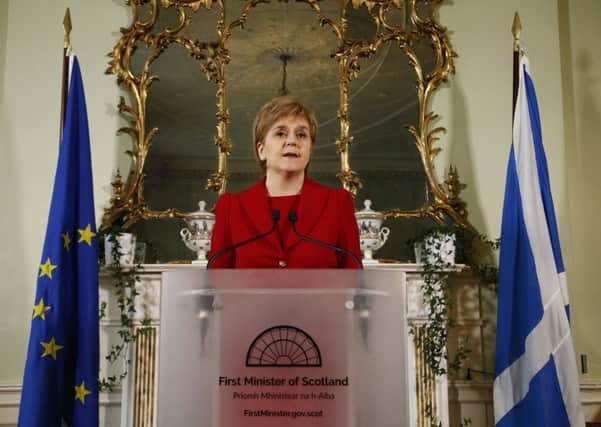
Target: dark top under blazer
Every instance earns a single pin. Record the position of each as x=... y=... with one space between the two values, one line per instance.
x=324 y=214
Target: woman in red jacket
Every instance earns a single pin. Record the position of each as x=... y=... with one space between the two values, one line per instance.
x=284 y=132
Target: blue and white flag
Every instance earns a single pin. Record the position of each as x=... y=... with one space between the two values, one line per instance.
x=60 y=386
x=536 y=378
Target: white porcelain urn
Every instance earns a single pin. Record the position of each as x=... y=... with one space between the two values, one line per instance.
x=197 y=235
x=372 y=235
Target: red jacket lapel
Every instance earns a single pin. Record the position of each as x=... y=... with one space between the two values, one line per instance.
x=312 y=202
x=254 y=204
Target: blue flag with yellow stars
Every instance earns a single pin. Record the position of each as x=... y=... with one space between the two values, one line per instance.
x=60 y=384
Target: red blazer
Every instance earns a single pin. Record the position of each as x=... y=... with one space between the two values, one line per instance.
x=323 y=213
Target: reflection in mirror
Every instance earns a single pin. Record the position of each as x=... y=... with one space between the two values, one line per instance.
x=182 y=105
x=383 y=103
x=383 y=152
x=424 y=8
x=162 y=240
x=361 y=24
x=282 y=49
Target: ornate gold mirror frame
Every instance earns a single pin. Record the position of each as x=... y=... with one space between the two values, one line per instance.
x=128 y=203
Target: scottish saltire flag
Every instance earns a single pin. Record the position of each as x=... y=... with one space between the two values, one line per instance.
x=536 y=379
x=60 y=383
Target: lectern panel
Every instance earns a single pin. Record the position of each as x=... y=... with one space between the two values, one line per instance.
x=265 y=348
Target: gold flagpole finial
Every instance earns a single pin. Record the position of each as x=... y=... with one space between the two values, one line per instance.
x=516 y=29
x=67 y=28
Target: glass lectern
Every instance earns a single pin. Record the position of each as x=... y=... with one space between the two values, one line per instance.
x=244 y=348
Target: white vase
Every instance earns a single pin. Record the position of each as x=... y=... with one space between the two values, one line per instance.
x=126 y=250
x=436 y=248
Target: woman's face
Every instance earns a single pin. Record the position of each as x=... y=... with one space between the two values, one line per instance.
x=287 y=146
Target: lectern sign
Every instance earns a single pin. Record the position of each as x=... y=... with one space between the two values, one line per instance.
x=277 y=353
x=287 y=375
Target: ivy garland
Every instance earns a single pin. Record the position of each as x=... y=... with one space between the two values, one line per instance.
x=436 y=289
x=436 y=292
x=124 y=281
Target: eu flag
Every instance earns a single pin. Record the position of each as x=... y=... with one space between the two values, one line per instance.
x=60 y=383
x=536 y=381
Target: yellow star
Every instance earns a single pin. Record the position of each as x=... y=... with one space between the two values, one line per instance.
x=50 y=348
x=81 y=392
x=39 y=310
x=66 y=241
x=46 y=268
x=86 y=235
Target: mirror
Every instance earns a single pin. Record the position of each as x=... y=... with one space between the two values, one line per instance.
x=197 y=71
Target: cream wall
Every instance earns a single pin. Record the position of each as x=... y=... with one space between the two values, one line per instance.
x=581 y=69
x=562 y=43
x=476 y=108
x=31 y=40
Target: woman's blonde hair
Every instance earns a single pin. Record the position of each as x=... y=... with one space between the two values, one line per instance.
x=274 y=110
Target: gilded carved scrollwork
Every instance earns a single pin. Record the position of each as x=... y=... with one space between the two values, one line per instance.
x=213 y=58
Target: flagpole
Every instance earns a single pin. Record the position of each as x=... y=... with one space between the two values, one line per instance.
x=516 y=28
x=65 y=77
